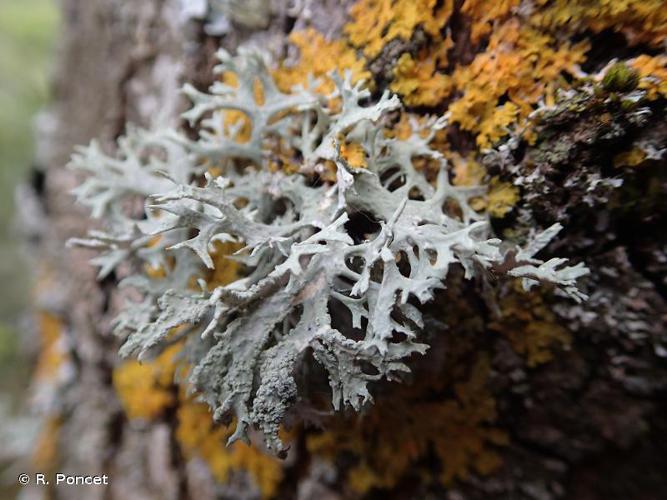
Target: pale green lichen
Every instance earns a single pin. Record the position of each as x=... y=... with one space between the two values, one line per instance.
x=310 y=258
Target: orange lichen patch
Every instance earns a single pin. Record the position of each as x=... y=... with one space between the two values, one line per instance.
x=158 y=272
x=519 y=64
x=485 y=14
x=45 y=455
x=418 y=81
x=147 y=389
x=52 y=353
x=232 y=79
x=498 y=123
x=354 y=154
x=467 y=435
x=225 y=270
x=155 y=272
x=641 y=21
x=377 y=22
x=318 y=57
x=522 y=64
x=652 y=74
x=500 y=197
x=467 y=171
x=398 y=431
x=402 y=129
x=198 y=436
x=283 y=162
x=531 y=327
x=630 y=158
x=237 y=124
x=258 y=90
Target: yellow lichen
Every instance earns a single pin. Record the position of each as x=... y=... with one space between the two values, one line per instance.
x=630 y=158
x=317 y=58
x=397 y=432
x=49 y=371
x=225 y=270
x=641 y=21
x=155 y=272
x=652 y=74
x=467 y=171
x=147 y=389
x=519 y=64
x=500 y=197
x=237 y=124
x=485 y=15
x=497 y=124
x=52 y=354
x=419 y=81
x=45 y=455
x=531 y=327
x=377 y=22
x=199 y=437
x=464 y=446
x=354 y=154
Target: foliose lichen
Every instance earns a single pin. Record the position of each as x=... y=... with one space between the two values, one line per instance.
x=367 y=245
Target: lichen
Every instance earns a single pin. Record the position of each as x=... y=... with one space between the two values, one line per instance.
x=521 y=55
x=419 y=80
x=652 y=75
x=306 y=218
x=640 y=21
x=52 y=373
x=53 y=352
x=45 y=454
x=531 y=327
x=521 y=64
x=146 y=390
x=500 y=197
x=388 y=442
x=318 y=57
x=632 y=158
x=301 y=252
x=581 y=136
x=484 y=15
x=198 y=436
x=377 y=22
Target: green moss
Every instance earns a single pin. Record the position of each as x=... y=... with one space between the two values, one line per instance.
x=620 y=78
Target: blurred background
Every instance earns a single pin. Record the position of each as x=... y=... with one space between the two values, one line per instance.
x=27 y=44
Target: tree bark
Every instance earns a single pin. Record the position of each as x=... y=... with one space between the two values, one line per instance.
x=589 y=423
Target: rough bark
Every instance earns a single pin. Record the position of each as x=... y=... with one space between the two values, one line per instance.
x=589 y=424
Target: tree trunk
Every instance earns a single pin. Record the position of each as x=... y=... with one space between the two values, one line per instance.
x=547 y=399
